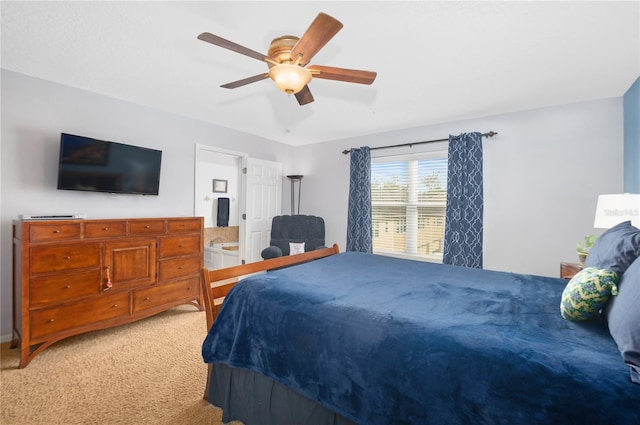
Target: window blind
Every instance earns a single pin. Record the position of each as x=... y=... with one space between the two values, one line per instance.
x=409 y=197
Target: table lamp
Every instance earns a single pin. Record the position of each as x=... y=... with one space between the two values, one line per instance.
x=616 y=208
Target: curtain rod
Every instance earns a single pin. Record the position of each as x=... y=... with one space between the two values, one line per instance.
x=410 y=144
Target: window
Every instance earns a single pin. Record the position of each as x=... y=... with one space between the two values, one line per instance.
x=409 y=198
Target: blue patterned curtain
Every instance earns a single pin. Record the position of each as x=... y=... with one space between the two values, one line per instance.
x=359 y=234
x=463 y=231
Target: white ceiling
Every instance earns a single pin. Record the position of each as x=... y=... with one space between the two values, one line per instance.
x=436 y=61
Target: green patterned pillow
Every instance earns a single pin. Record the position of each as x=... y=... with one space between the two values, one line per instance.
x=587 y=293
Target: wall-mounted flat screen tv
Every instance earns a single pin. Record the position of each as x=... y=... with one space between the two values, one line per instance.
x=102 y=166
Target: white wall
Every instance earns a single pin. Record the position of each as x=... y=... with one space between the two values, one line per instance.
x=543 y=174
x=35 y=112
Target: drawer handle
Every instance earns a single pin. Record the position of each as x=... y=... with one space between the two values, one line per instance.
x=105 y=229
x=180 y=246
x=52 y=320
x=146 y=299
x=147 y=227
x=56 y=231
x=66 y=257
x=188 y=288
x=67 y=287
x=108 y=284
x=115 y=306
x=180 y=267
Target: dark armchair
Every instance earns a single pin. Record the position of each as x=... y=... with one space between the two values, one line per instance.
x=286 y=229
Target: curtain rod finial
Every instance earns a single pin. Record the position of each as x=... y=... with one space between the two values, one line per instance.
x=346 y=151
x=490 y=134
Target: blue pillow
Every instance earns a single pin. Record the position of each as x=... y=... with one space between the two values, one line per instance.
x=623 y=317
x=616 y=248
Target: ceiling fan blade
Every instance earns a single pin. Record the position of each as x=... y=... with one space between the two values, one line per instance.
x=221 y=42
x=245 y=81
x=321 y=30
x=343 y=74
x=304 y=96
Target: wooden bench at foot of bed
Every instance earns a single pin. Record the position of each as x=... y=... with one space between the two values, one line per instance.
x=216 y=284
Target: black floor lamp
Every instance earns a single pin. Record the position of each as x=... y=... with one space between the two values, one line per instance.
x=294 y=179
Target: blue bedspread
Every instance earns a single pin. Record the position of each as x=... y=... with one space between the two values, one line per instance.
x=389 y=341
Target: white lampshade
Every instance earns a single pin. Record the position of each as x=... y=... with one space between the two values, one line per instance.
x=614 y=209
x=290 y=78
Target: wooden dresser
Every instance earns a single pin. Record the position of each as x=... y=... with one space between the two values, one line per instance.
x=75 y=276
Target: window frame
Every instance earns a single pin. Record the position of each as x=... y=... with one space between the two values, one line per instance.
x=427 y=155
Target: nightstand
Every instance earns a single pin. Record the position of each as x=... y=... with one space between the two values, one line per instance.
x=568 y=270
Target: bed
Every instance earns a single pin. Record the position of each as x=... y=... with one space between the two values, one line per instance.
x=353 y=338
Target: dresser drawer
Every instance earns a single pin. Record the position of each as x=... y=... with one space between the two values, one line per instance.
x=166 y=293
x=54 y=232
x=105 y=229
x=62 y=318
x=186 y=225
x=58 y=289
x=179 y=245
x=46 y=259
x=146 y=227
x=178 y=267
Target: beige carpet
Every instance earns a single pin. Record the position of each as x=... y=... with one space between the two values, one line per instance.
x=148 y=372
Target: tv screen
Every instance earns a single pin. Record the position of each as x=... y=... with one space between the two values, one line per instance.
x=102 y=166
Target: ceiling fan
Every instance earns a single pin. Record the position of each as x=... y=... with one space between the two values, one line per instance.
x=288 y=56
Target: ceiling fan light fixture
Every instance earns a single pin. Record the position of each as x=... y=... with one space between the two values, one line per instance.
x=289 y=55
x=290 y=78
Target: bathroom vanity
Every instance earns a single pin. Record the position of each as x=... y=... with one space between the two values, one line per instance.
x=221 y=255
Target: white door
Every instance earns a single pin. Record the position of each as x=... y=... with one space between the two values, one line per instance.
x=263 y=201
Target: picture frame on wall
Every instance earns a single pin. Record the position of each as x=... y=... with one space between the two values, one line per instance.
x=219 y=186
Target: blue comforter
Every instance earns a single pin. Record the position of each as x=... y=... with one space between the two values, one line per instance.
x=389 y=341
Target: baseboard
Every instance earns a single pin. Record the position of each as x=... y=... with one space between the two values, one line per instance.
x=6 y=338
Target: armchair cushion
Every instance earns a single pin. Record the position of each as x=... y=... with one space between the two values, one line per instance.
x=285 y=229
